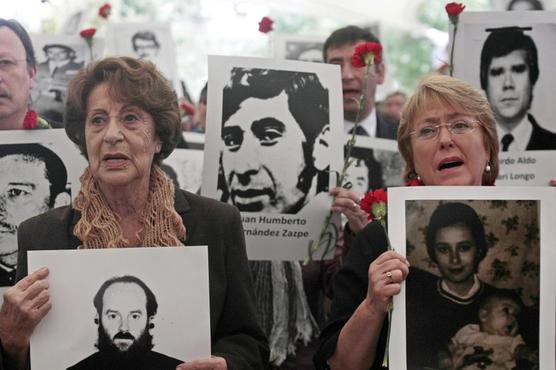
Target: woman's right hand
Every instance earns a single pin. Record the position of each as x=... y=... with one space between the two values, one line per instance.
x=24 y=306
x=346 y=201
x=386 y=273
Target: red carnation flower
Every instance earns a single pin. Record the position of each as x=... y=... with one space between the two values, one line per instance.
x=265 y=25
x=374 y=203
x=105 y=10
x=414 y=182
x=454 y=9
x=30 y=120
x=366 y=54
x=88 y=33
x=187 y=108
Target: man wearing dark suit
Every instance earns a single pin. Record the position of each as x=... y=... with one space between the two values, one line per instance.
x=125 y=307
x=338 y=49
x=509 y=71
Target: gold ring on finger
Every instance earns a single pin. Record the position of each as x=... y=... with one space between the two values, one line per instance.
x=389 y=276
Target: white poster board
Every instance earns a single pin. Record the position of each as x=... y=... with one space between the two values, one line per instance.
x=509 y=232
x=39 y=170
x=511 y=85
x=274 y=134
x=151 y=41
x=180 y=327
x=59 y=58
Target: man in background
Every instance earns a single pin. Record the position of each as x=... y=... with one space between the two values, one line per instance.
x=17 y=73
x=393 y=105
x=338 y=49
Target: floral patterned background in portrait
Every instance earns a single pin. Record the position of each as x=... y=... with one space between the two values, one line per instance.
x=512 y=232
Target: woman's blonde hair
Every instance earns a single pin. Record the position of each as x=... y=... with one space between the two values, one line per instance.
x=448 y=91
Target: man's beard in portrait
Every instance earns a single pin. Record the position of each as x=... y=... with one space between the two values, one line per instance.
x=133 y=357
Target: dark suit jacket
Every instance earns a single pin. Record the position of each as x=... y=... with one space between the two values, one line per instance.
x=385 y=129
x=235 y=333
x=151 y=361
x=541 y=139
x=7 y=279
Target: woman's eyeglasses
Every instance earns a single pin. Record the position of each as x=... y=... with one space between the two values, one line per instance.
x=430 y=131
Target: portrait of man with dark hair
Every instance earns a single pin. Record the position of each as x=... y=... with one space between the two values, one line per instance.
x=271 y=118
x=125 y=311
x=304 y=51
x=508 y=73
x=60 y=65
x=145 y=44
x=32 y=180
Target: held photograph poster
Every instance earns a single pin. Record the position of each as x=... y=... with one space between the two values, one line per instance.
x=150 y=41
x=510 y=56
x=59 y=58
x=481 y=284
x=122 y=309
x=274 y=136
x=377 y=164
x=298 y=47
x=39 y=170
x=185 y=168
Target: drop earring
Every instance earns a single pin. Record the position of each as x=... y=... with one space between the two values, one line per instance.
x=487 y=168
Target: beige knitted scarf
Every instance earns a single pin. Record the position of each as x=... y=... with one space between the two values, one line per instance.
x=99 y=226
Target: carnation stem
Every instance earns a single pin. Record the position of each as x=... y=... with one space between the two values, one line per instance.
x=451 y=67
x=314 y=245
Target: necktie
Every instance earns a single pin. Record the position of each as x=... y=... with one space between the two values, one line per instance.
x=506 y=141
x=359 y=131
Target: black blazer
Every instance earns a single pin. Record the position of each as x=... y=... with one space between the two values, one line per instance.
x=541 y=138
x=235 y=332
x=385 y=129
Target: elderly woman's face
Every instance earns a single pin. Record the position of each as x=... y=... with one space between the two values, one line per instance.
x=120 y=138
x=455 y=252
x=449 y=158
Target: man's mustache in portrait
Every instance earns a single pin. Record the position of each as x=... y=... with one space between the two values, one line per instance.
x=140 y=347
x=7 y=228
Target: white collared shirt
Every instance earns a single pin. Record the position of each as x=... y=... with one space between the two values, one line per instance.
x=368 y=124
x=521 y=133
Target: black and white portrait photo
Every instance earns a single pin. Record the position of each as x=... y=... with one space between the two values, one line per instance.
x=151 y=41
x=59 y=59
x=124 y=311
x=38 y=172
x=185 y=168
x=377 y=164
x=298 y=47
x=270 y=118
x=33 y=179
x=509 y=72
x=515 y=68
x=473 y=296
x=271 y=143
x=125 y=314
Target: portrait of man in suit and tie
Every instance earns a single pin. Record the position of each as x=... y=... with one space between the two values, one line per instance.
x=509 y=71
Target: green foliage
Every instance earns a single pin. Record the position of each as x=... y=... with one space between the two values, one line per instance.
x=409 y=57
x=433 y=14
